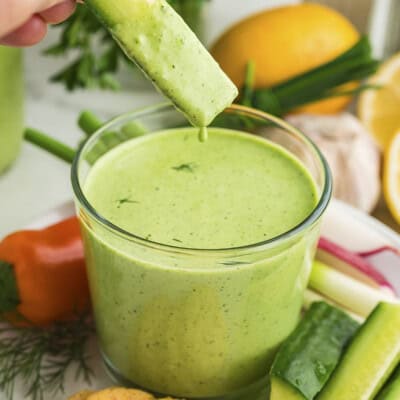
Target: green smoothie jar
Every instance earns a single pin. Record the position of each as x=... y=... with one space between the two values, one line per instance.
x=198 y=254
x=11 y=105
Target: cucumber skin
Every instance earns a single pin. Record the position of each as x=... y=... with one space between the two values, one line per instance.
x=391 y=391
x=381 y=330
x=280 y=390
x=308 y=357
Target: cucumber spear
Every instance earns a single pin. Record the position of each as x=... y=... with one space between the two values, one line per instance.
x=157 y=39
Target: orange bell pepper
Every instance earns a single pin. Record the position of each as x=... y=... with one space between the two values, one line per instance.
x=43 y=275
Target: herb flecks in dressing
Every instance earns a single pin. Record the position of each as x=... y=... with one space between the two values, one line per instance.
x=187 y=167
x=235 y=189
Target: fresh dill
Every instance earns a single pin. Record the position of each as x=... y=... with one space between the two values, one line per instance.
x=40 y=358
x=187 y=167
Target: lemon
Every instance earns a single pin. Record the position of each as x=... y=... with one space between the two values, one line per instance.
x=284 y=42
x=379 y=109
x=391 y=176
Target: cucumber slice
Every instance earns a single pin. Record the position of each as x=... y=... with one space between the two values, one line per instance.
x=282 y=390
x=391 y=390
x=156 y=38
x=370 y=359
x=308 y=357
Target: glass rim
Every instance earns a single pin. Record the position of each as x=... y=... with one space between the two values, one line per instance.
x=309 y=221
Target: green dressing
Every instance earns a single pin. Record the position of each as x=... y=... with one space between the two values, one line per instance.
x=233 y=190
x=197 y=325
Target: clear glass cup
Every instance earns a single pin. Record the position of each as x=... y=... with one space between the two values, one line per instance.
x=180 y=341
x=11 y=105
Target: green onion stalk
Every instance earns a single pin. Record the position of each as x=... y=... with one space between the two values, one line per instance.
x=345 y=291
x=323 y=82
x=319 y=83
x=89 y=123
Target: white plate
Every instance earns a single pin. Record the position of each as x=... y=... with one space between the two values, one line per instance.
x=342 y=224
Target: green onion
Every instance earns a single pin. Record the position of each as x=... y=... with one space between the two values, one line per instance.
x=89 y=123
x=248 y=89
x=346 y=291
x=50 y=144
x=319 y=83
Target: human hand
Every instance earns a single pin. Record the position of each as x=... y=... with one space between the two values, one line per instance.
x=24 y=22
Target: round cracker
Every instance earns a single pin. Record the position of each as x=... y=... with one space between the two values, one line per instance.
x=83 y=395
x=120 y=394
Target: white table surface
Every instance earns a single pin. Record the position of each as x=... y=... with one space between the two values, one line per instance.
x=38 y=181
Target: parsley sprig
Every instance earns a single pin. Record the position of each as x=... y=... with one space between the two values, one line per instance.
x=96 y=56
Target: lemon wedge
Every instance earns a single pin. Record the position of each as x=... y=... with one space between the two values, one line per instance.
x=391 y=176
x=379 y=109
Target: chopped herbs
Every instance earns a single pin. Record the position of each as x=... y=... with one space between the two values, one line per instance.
x=231 y=263
x=188 y=167
x=126 y=200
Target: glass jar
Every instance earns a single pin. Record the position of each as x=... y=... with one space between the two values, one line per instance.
x=11 y=105
x=195 y=323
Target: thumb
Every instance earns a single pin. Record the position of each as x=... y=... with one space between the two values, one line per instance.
x=14 y=13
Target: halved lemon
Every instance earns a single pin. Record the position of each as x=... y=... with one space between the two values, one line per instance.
x=379 y=109
x=391 y=176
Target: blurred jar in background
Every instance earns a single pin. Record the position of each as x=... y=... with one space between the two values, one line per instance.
x=378 y=18
x=11 y=105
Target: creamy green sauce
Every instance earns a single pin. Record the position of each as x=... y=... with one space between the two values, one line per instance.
x=233 y=190
x=201 y=325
